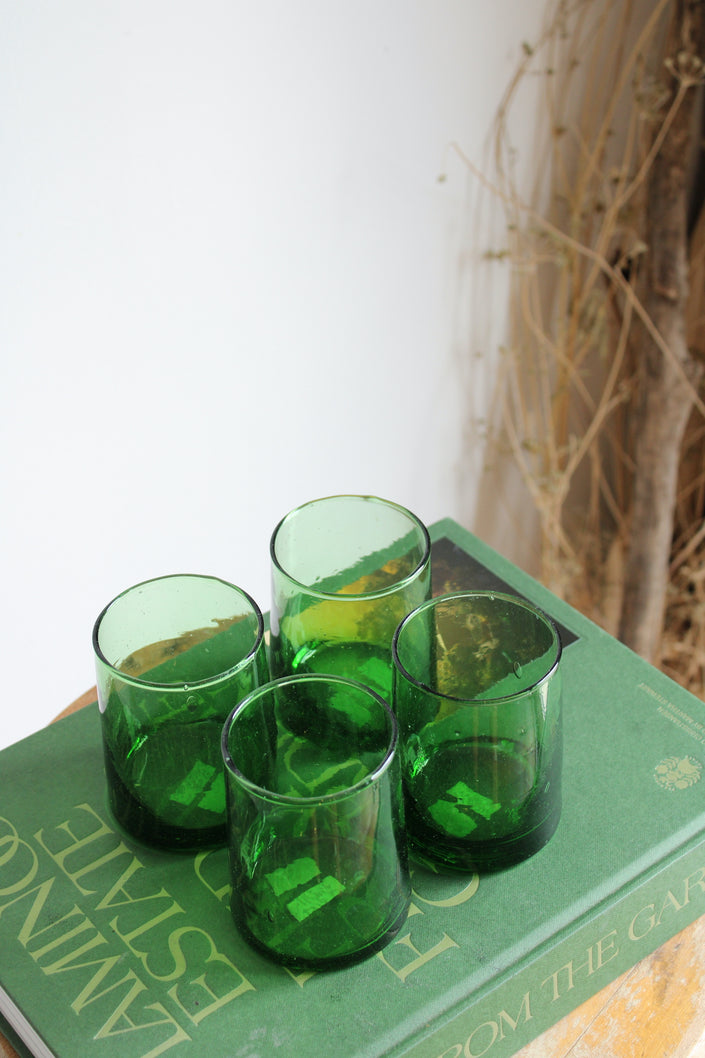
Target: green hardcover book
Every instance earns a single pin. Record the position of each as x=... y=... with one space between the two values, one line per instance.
x=113 y=950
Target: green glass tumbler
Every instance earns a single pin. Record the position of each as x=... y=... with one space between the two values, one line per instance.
x=173 y=656
x=477 y=695
x=345 y=570
x=318 y=856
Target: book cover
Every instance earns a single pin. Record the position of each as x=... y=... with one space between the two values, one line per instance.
x=111 y=949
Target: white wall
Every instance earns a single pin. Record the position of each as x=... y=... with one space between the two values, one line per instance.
x=230 y=281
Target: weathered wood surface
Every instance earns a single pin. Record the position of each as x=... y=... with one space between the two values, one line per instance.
x=654 y=1010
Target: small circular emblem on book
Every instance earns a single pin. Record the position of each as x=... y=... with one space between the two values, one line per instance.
x=678 y=773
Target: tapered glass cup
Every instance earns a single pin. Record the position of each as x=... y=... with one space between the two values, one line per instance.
x=477 y=695
x=345 y=570
x=316 y=836
x=173 y=656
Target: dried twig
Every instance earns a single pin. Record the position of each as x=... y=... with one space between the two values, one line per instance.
x=578 y=247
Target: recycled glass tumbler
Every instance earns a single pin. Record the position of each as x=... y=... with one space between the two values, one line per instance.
x=173 y=656
x=318 y=856
x=345 y=570
x=477 y=695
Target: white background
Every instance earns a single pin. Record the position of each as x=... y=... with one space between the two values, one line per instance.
x=240 y=268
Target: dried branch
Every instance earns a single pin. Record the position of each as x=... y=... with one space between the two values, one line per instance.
x=595 y=355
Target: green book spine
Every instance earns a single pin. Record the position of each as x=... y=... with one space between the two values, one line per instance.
x=112 y=949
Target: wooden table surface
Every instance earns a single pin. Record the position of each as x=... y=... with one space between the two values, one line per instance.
x=654 y=1010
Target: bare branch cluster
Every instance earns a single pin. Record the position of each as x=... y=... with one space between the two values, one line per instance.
x=582 y=249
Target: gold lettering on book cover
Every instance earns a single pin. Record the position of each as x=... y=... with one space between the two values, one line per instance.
x=391 y=957
x=203 y=863
x=454 y=900
x=159 y=949
x=422 y=957
x=55 y=935
x=62 y=938
x=121 y=1019
x=651 y=916
x=484 y=1036
x=146 y=926
x=78 y=844
x=119 y=895
x=666 y=913
x=673 y=713
x=595 y=957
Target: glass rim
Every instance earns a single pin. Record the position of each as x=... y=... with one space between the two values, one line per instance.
x=515 y=600
x=291 y=799
x=378 y=593
x=190 y=685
